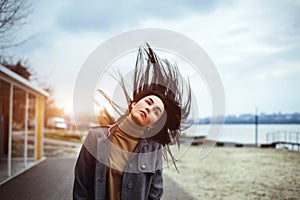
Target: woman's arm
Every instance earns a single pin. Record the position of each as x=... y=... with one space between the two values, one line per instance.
x=156 y=190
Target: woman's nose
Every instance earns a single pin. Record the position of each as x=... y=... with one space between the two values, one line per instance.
x=148 y=110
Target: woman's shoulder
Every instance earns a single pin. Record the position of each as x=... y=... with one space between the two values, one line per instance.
x=98 y=131
x=93 y=136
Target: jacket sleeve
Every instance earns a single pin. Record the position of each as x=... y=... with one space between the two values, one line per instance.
x=83 y=187
x=156 y=190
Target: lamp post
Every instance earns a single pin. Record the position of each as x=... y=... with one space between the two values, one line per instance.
x=256 y=128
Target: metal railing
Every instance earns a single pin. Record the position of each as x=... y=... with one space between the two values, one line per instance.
x=289 y=138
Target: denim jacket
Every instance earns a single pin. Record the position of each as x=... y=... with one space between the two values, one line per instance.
x=142 y=178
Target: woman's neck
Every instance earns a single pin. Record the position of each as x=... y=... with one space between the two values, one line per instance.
x=128 y=126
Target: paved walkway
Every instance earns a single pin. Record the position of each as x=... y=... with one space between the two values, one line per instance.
x=53 y=179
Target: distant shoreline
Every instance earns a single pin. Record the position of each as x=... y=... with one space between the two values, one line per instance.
x=243 y=123
x=279 y=118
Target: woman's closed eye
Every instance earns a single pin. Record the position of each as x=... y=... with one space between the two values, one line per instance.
x=157 y=111
x=148 y=102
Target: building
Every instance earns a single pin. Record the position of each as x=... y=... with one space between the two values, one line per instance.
x=22 y=106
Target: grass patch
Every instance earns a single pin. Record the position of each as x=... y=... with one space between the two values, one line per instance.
x=64 y=135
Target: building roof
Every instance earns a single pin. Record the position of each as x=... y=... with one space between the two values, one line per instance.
x=19 y=81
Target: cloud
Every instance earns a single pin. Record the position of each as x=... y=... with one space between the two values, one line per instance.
x=254 y=44
x=279 y=70
x=100 y=15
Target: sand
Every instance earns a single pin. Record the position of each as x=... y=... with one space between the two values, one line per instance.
x=238 y=173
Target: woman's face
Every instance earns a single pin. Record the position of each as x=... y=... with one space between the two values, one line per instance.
x=147 y=110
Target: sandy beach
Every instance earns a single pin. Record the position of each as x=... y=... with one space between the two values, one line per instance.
x=239 y=173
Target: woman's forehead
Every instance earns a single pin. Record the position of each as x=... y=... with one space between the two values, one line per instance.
x=155 y=99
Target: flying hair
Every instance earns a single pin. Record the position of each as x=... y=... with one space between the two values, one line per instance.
x=155 y=76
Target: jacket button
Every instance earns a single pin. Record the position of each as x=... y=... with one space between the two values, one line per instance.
x=130 y=165
x=130 y=185
x=143 y=167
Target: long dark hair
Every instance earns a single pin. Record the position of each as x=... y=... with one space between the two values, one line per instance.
x=155 y=76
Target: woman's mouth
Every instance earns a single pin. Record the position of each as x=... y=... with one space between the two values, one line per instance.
x=144 y=114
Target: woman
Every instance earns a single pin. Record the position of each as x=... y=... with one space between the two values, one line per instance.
x=123 y=159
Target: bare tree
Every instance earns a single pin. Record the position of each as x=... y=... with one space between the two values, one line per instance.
x=13 y=14
x=20 y=68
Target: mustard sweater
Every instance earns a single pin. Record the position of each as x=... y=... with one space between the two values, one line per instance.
x=124 y=140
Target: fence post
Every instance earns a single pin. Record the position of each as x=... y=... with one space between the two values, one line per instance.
x=256 y=128
x=285 y=136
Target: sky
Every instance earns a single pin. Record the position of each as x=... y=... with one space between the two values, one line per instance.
x=254 y=45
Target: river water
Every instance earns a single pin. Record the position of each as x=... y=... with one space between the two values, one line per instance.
x=245 y=133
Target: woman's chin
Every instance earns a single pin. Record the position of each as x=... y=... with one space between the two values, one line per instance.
x=138 y=120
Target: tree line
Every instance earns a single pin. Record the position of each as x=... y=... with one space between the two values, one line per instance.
x=275 y=118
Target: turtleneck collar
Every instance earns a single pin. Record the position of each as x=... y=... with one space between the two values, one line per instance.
x=128 y=126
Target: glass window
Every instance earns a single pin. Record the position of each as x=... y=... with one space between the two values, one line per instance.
x=4 y=118
x=18 y=129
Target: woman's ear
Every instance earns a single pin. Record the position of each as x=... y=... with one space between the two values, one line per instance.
x=133 y=104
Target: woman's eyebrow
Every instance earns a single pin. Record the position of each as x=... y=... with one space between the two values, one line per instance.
x=151 y=100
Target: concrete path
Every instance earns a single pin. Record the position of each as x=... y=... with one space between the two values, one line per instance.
x=53 y=179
